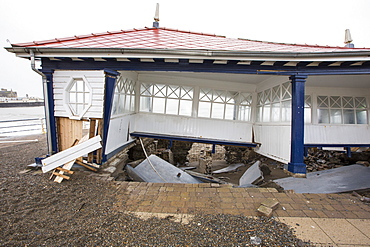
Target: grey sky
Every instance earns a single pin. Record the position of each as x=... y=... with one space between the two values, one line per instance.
x=290 y=21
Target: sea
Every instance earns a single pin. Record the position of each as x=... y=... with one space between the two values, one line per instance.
x=19 y=121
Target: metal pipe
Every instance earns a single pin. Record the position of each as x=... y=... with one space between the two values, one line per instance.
x=46 y=101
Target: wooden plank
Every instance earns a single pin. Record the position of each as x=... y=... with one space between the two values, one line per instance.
x=61 y=175
x=99 y=152
x=64 y=170
x=68 y=166
x=70 y=154
x=90 y=157
x=68 y=131
x=86 y=165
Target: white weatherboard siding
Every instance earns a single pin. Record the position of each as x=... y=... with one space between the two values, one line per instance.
x=194 y=127
x=96 y=80
x=337 y=134
x=70 y=154
x=275 y=141
x=119 y=132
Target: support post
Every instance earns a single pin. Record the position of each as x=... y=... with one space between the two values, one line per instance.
x=297 y=165
x=49 y=112
x=110 y=82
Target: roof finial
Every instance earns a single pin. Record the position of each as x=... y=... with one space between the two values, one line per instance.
x=156 y=17
x=348 y=39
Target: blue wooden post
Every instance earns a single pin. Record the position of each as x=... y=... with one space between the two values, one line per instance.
x=51 y=122
x=110 y=82
x=297 y=164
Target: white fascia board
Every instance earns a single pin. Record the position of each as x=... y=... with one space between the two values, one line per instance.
x=192 y=54
x=71 y=153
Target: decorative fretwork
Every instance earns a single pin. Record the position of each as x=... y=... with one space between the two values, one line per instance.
x=124 y=96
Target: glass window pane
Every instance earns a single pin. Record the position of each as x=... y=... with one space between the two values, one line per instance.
x=230 y=112
x=127 y=103
x=322 y=101
x=244 y=112
x=336 y=116
x=122 y=103
x=79 y=86
x=204 y=109
x=259 y=113
x=348 y=116
x=218 y=111
x=266 y=113
x=348 y=102
x=172 y=106
x=185 y=107
x=286 y=111
x=219 y=96
x=72 y=97
x=360 y=102
x=323 y=115
x=307 y=115
x=158 y=105
x=187 y=93
x=173 y=92
x=275 y=112
x=361 y=116
x=335 y=102
x=145 y=104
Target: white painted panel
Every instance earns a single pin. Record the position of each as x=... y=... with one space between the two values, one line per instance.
x=194 y=127
x=71 y=153
x=275 y=141
x=337 y=134
x=96 y=80
x=118 y=134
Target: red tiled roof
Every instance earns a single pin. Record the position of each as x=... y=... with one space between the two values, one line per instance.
x=164 y=38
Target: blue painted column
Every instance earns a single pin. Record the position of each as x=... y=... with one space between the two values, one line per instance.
x=49 y=111
x=297 y=164
x=110 y=82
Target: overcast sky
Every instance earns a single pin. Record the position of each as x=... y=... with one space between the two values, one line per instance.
x=320 y=22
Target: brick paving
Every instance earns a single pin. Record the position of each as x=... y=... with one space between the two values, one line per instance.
x=216 y=198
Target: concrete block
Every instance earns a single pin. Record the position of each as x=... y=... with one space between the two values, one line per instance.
x=264 y=211
x=270 y=203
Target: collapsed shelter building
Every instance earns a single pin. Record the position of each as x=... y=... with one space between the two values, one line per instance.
x=169 y=84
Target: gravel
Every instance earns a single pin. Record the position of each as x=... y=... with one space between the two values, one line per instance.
x=35 y=211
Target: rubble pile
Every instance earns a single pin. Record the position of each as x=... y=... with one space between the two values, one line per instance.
x=238 y=155
x=318 y=160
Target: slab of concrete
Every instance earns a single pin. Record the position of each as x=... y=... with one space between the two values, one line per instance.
x=307 y=230
x=341 y=179
x=158 y=170
x=342 y=231
x=252 y=174
x=230 y=168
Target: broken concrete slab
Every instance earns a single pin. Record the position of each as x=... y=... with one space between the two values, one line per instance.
x=270 y=203
x=251 y=175
x=230 y=168
x=341 y=179
x=157 y=170
x=264 y=211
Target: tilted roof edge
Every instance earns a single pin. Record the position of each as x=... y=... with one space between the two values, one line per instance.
x=120 y=52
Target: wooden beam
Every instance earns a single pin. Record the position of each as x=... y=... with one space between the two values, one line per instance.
x=86 y=165
x=61 y=175
x=64 y=170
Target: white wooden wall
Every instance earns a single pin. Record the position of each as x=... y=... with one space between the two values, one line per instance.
x=275 y=141
x=96 y=79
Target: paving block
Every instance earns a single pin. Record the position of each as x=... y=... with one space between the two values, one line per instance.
x=270 y=203
x=264 y=211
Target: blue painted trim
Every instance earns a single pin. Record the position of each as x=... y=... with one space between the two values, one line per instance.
x=110 y=82
x=50 y=94
x=117 y=150
x=193 y=139
x=296 y=164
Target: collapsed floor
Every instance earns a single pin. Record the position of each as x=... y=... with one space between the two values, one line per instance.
x=199 y=158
